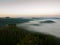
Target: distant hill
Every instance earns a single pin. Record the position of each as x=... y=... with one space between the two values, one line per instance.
x=4 y=21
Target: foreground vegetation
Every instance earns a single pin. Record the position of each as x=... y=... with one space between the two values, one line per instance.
x=20 y=36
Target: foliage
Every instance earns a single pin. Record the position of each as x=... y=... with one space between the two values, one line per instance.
x=19 y=36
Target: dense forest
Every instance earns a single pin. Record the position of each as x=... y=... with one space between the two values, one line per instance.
x=12 y=35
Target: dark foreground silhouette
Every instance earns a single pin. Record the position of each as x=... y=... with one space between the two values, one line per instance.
x=19 y=36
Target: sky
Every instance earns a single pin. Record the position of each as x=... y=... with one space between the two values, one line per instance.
x=29 y=8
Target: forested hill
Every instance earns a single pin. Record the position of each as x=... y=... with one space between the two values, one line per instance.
x=4 y=21
x=20 y=36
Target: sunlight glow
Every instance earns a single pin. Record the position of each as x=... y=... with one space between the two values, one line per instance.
x=30 y=8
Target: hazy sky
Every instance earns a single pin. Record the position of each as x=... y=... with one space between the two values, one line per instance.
x=32 y=8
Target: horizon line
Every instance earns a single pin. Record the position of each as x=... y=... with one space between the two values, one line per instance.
x=29 y=15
